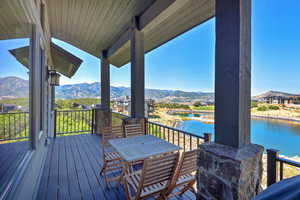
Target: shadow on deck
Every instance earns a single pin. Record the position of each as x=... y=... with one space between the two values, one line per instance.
x=72 y=171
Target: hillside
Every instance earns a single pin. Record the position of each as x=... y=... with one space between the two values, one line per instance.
x=17 y=87
x=14 y=87
x=272 y=93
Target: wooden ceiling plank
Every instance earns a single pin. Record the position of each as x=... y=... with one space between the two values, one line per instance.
x=153 y=11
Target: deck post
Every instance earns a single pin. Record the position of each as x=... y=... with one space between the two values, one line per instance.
x=272 y=155
x=137 y=71
x=233 y=72
x=102 y=115
x=231 y=167
x=55 y=122
x=105 y=82
x=207 y=137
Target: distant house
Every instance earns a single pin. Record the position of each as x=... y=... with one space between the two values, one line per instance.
x=284 y=100
x=124 y=106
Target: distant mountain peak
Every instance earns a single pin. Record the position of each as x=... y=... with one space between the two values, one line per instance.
x=18 y=87
x=273 y=93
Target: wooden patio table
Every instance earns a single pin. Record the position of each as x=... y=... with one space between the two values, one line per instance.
x=135 y=149
x=139 y=148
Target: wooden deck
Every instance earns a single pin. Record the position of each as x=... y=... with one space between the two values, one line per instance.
x=72 y=171
x=11 y=156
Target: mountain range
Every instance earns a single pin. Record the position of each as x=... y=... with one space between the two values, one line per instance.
x=17 y=87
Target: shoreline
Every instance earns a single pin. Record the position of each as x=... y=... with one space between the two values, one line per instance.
x=282 y=118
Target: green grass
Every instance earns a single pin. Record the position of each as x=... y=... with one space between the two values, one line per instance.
x=209 y=108
x=17 y=101
x=262 y=108
x=68 y=103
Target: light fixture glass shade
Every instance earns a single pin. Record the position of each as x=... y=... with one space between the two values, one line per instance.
x=54 y=78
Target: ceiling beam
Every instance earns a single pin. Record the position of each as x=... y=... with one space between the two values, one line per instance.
x=156 y=9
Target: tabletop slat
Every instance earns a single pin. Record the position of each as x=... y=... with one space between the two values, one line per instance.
x=141 y=147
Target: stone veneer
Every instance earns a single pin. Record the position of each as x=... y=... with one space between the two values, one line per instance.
x=227 y=173
x=102 y=119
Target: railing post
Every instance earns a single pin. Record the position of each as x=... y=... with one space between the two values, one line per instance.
x=145 y=126
x=207 y=137
x=93 y=121
x=55 y=121
x=272 y=156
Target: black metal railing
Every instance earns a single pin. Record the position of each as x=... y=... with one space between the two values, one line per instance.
x=14 y=126
x=73 y=121
x=187 y=141
x=276 y=166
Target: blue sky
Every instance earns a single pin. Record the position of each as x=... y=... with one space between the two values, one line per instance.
x=187 y=62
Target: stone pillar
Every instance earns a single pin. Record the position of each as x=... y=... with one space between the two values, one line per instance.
x=229 y=173
x=231 y=168
x=137 y=72
x=102 y=119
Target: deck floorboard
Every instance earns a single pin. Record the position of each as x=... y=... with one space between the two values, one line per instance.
x=72 y=171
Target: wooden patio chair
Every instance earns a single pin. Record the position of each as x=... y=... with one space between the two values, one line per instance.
x=153 y=179
x=112 y=161
x=118 y=131
x=134 y=130
x=185 y=176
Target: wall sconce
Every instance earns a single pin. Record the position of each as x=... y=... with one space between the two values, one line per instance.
x=54 y=77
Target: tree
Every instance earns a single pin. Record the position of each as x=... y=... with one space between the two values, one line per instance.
x=197 y=103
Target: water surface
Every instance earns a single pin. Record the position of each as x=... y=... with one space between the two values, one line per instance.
x=276 y=134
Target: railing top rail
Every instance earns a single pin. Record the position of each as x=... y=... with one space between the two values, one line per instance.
x=288 y=161
x=120 y=114
x=79 y=110
x=13 y=113
x=175 y=129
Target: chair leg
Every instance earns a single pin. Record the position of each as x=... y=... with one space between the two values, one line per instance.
x=103 y=168
x=187 y=187
x=127 y=191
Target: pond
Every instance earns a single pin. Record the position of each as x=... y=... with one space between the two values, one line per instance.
x=276 y=134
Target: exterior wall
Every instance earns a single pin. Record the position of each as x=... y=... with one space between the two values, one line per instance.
x=25 y=182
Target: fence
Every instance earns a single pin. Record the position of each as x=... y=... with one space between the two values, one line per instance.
x=14 y=126
x=73 y=121
x=186 y=140
x=275 y=173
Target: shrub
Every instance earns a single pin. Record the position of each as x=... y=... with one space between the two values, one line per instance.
x=172 y=106
x=198 y=103
x=154 y=116
x=253 y=104
x=272 y=107
x=262 y=108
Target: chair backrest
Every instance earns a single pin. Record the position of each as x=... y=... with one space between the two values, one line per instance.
x=133 y=130
x=107 y=134
x=159 y=169
x=187 y=163
x=118 y=131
